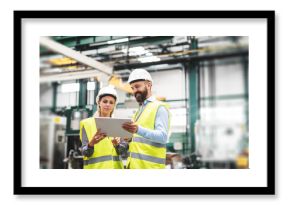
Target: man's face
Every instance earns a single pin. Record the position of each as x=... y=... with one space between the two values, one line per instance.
x=140 y=90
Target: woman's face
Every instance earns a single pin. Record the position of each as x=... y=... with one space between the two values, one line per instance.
x=107 y=104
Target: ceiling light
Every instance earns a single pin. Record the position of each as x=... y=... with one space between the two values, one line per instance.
x=136 y=51
x=118 y=41
x=148 y=59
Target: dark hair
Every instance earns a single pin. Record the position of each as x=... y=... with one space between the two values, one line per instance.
x=101 y=96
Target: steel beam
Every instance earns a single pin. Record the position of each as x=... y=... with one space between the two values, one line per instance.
x=96 y=42
x=192 y=70
x=54 y=97
x=83 y=92
x=61 y=49
x=96 y=91
x=71 y=76
x=245 y=63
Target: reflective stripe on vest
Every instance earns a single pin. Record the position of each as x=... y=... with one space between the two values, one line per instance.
x=101 y=159
x=147 y=158
x=145 y=141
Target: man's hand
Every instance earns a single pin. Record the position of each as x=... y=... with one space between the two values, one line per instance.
x=130 y=127
x=97 y=138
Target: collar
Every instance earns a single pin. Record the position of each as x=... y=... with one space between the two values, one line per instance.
x=150 y=99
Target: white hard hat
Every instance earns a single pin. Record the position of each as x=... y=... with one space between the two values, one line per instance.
x=107 y=91
x=139 y=74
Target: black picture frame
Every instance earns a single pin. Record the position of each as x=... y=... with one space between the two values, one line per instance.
x=269 y=16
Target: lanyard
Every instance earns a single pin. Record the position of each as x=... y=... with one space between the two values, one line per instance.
x=140 y=111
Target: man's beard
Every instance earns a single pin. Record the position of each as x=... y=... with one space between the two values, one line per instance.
x=141 y=96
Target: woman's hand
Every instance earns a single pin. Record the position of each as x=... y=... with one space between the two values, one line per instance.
x=127 y=139
x=116 y=141
x=97 y=138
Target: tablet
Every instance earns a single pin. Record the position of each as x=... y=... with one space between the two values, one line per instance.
x=113 y=126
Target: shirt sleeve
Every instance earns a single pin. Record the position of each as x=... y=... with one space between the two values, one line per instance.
x=159 y=134
x=123 y=147
x=86 y=150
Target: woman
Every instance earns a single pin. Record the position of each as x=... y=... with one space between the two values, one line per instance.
x=100 y=151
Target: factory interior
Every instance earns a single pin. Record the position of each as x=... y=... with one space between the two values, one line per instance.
x=204 y=79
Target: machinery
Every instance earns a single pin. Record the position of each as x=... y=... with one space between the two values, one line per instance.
x=59 y=139
x=221 y=145
x=74 y=158
x=52 y=141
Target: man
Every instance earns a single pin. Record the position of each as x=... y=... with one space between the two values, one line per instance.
x=150 y=125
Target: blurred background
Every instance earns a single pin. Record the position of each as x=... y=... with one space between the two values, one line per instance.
x=204 y=79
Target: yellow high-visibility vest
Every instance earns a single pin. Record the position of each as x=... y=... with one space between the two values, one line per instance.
x=144 y=153
x=105 y=155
